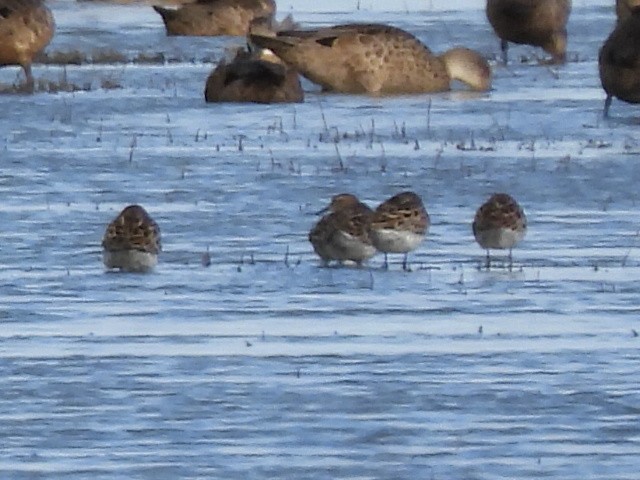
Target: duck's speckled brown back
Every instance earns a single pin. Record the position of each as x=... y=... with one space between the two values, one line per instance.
x=361 y=58
x=215 y=17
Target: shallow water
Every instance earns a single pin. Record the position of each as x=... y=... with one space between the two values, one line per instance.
x=265 y=365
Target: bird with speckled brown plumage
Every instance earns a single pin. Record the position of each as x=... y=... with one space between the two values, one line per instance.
x=215 y=17
x=399 y=225
x=131 y=242
x=500 y=223
x=343 y=233
x=375 y=59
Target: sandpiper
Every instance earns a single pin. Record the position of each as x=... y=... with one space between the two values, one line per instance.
x=399 y=225
x=131 y=242
x=500 y=223
x=343 y=233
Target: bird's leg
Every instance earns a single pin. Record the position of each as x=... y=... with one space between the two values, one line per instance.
x=30 y=84
x=607 y=104
x=504 y=46
x=405 y=263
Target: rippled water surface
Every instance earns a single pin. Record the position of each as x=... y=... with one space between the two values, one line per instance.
x=265 y=365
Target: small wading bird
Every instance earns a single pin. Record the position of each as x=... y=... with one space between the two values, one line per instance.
x=541 y=23
x=257 y=76
x=374 y=59
x=619 y=61
x=343 y=233
x=215 y=17
x=131 y=242
x=26 y=27
x=499 y=223
x=399 y=225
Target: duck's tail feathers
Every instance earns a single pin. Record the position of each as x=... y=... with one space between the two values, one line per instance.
x=165 y=13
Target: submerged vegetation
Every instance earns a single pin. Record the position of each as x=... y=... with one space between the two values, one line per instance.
x=110 y=56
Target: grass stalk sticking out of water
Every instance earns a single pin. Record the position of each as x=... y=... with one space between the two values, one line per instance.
x=341 y=167
x=132 y=147
x=383 y=159
x=205 y=259
x=106 y=56
x=626 y=255
x=429 y=118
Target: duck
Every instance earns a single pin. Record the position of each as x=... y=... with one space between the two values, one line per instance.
x=624 y=8
x=215 y=17
x=342 y=234
x=132 y=241
x=374 y=59
x=253 y=76
x=541 y=23
x=619 y=61
x=26 y=28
